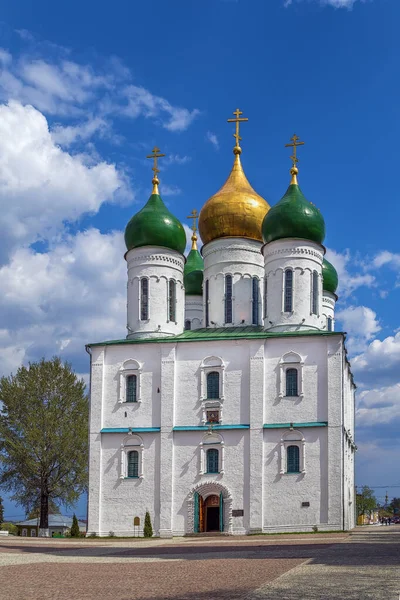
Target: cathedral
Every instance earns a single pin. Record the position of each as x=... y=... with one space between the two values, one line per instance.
x=229 y=407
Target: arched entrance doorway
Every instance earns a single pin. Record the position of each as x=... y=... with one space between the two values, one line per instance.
x=209 y=509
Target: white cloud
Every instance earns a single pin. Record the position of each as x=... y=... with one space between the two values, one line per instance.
x=386 y=258
x=348 y=281
x=65 y=136
x=171 y=159
x=170 y=190
x=141 y=102
x=361 y=324
x=334 y=3
x=56 y=302
x=380 y=362
x=211 y=137
x=68 y=89
x=380 y=405
x=41 y=186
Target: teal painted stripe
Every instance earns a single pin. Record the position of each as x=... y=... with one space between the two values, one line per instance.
x=287 y=425
x=127 y=429
x=206 y=427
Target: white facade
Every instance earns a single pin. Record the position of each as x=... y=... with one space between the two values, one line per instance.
x=243 y=424
x=158 y=269
x=257 y=425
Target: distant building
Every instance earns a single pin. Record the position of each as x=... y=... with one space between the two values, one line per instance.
x=58 y=524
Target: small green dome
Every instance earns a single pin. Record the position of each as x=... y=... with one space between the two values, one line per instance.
x=193 y=272
x=154 y=225
x=329 y=276
x=293 y=217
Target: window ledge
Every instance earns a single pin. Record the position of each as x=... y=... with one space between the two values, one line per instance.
x=293 y=473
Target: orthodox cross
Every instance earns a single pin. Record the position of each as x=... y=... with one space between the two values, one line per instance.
x=193 y=215
x=155 y=155
x=238 y=120
x=295 y=143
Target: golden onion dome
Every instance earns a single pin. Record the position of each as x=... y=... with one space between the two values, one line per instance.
x=236 y=210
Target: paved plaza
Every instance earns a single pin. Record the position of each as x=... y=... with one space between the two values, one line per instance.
x=363 y=565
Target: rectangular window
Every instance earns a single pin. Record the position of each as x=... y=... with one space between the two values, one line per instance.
x=213 y=385
x=314 y=291
x=188 y=325
x=207 y=301
x=133 y=463
x=288 y=291
x=228 y=299
x=172 y=300
x=329 y=324
x=293 y=459
x=212 y=461
x=265 y=297
x=291 y=382
x=131 y=383
x=144 y=299
x=255 y=289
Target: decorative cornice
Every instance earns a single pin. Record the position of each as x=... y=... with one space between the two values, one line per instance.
x=294 y=425
x=294 y=252
x=157 y=258
x=130 y=429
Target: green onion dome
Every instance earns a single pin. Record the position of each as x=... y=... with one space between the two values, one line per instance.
x=329 y=276
x=154 y=225
x=293 y=217
x=193 y=271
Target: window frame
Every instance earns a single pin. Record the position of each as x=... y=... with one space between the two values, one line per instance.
x=209 y=364
x=228 y=299
x=291 y=360
x=129 y=367
x=212 y=441
x=292 y=437
x=128 y=454
x=295 y=459
x=207 y=302
x=171 y=301
x=212 y=460
x=186 y=328
x=213 y=385
x=329 y=324
x=132 y=443
x=314 y=296
x=144 y=309
x=255 y=301
x=285 y=288
x=288 y=371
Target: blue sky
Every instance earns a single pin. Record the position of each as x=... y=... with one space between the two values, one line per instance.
x=87 y=89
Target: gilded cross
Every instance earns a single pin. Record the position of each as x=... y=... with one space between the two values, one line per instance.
x=295 y=143
x=155 y=156
x=193 y=215
x=238 y=120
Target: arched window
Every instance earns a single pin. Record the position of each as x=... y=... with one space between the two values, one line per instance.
x=293 y=459
x=144 y=299
x=131 y=388
x=255 y=308
x=172 y=300
x=133 y=463
x=265 y=297
x=188 y=325
x=213 y=384
x=288 y=291
x=212 y=460
x=228 y=298
x=207 y=302
x=329 y=326
x=314 y=289
x=291 y=382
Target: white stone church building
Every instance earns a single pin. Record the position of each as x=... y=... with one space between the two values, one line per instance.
x=229 y=407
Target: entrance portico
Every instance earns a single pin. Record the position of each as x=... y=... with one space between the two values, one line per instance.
x=209 y=509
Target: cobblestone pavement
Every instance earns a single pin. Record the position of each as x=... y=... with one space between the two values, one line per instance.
x=361 y=566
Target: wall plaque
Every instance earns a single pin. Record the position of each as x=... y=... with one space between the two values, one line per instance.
x=136 y=521
x=305 y=504
x=238 y=513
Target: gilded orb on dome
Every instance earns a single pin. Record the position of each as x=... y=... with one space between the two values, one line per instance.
x=236 y=210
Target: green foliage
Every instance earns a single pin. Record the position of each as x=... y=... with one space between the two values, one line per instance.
x=10 y=527
x=365 y=501
x=394 y=506
x=44 y=436
x=1 y=511
x=35 y=512
x=75 y=532
x=148 y=529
